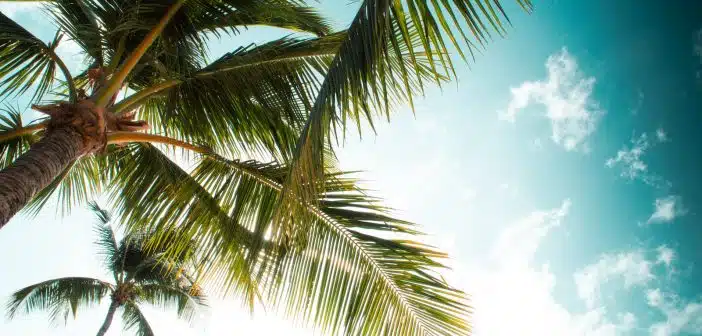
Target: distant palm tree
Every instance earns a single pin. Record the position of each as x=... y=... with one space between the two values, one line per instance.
x=140 y=277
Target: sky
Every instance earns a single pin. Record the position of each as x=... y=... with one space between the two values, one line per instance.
x=560 y=171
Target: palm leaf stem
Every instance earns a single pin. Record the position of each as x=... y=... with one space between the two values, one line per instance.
x=138 y=98
x=121 y=74
x=125 y=137
x=4 y=136
x=66 y=73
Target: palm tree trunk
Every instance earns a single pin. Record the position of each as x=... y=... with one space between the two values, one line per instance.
x=108 y=318
x=36 y=168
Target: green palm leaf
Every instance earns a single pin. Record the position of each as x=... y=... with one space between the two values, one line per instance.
x=26 y=60
x=377 y=65
x=106 y=241
x=275 y=14
x=253 y=99
x=349 y=276
x=133 y=319
x=160 y=197
x=11 y=147
x=161 y=295
x=78 y=22
x=60 y=297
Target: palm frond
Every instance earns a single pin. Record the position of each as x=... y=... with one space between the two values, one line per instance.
x=392 y=48
x=185 y=301
x=60 y=297
x=179 y=49
x=253 y=99
x=103 y=216
x=154 y=194
x=141 y=262
x=359 y=271
x=25 y=60
x=134 y=319
x=78 y=22
x=106 y=240
x=275 y=13
x=11 y=147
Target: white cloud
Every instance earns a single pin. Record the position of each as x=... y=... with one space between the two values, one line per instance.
x=566 y=94
x=680 y=316
x=630 y=158
x=594 y=323
x=666 y=255
x=518 y=242
x=513 y=288
x=654 y=297
x=661 y=135
x=666 y=209
x=633 y=267
x=469 y=194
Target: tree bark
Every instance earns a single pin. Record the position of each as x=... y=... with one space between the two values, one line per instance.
x=36 y=168
x=108 y=318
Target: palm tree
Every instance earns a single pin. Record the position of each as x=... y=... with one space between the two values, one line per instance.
x=273 y=217
x=139 y=277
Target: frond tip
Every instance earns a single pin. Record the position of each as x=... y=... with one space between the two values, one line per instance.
x=392 y=49
x=360 y=272
x=61 y=297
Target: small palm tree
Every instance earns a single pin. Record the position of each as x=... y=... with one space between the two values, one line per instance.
x=140 y=276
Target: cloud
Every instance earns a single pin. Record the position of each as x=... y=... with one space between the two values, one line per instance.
x=661 y=135
x=517 y=243
x=594 y=323
x=515 y=288
x=629 y=159
x=680 y=316
x=666 y=209
x=566 y=94
x=633 y=267
x=654 y=297
x=666 y=255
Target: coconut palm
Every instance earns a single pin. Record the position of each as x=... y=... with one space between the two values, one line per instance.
x=140 y=277
x=273 y=218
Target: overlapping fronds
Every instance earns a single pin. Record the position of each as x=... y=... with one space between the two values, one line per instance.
x=78 y=22
x=181 y=46
x=253 y=99
x=185 y=301
x=134 y=320
x=379 y=64
x=25 y=60
x=359 y=272
x=154 y=194
x=60 y=297
x=13 y=140
x=348 y=278
x=273 y=13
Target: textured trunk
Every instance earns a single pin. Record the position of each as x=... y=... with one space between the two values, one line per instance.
x=36 y=168
x=108 y=318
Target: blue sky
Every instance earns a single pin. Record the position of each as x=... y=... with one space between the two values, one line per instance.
x=560 y=171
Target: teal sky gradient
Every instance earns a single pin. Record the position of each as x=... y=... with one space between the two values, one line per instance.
x=549 y=240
